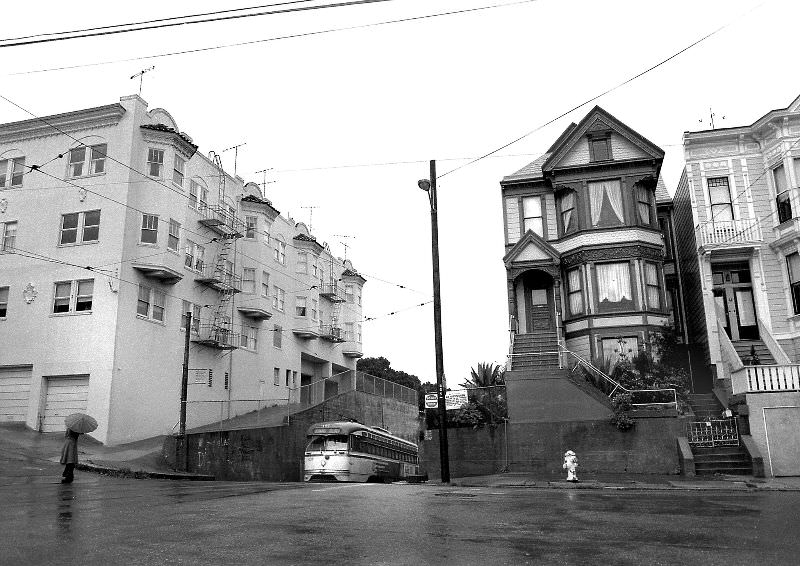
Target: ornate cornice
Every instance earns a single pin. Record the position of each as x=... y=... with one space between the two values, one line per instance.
x=251 y=202
x=99 y=117
x=612 y=253
x=164 y=134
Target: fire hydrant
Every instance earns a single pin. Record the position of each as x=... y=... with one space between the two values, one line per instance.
x=570 y=464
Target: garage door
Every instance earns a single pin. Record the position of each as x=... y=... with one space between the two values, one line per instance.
x=65 y=395
x=15 y=387
x=783 y=442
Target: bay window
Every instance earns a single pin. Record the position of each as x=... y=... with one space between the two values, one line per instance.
x=569 y=220
x=575 y=291
x=605 y=203
x=532 y=215
x=614 y=285
x=793 y=265
x=644 y=205
x=653 y=285
x=782 y=199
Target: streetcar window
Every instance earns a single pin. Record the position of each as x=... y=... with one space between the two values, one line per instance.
x=334 y=442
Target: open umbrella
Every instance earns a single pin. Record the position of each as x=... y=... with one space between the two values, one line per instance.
x=80 y=422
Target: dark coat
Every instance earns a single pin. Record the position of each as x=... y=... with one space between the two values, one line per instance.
x=69 y=452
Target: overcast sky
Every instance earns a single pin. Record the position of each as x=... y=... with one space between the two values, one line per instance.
x=329 y=112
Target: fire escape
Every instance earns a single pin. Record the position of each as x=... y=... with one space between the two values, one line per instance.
x=332 y=291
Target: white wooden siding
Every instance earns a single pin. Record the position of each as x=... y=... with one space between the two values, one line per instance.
x=512 y=220
x=65 y=395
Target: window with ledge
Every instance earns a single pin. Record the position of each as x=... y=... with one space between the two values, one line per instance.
x=277 y=376
x=178 y=170
x=149 y=233
x=532 y=215
x=782 y=199
x=302 y=262
x=288 y=377
x=8 y=236
x=349 y=332
x=614 y=286
x=279 y=299
x=155 y=163
x=793 y=266
x=605 y=203
x=79 y=227
x=12 y=172
x=600 y=148
x=314 y=307
x=73 y=296
x=174 y=238
x=151 y=303
x=87 y=160
x=644 y=204
x=3 y=302
x=198 y=196
x=575 y=291
x=248 y=280
x=652 y=283
x=720 y=193
x=249 y=338
x=251 y=225
x=277 y=336
x=265 y=284
x=666 y=232
x=566 y=205
x=279 y=251
x=348 y=294
x=194 y=256
x=186 y=306
x=301 y=306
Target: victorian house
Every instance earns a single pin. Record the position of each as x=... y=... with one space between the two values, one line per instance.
x=584 y=262
x=736 y=212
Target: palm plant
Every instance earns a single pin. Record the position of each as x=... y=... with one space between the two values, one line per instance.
x=486 y=375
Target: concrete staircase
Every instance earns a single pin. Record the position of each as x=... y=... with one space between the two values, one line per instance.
x=710 y=460
x=537 y=350
x=745 y=347
x=705 y=406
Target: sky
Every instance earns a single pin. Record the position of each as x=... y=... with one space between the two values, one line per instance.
x=346 y=121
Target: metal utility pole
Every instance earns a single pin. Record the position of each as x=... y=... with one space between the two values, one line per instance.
x=140 y=74
x=235 y=149
x=430 y=187
x=184 y=390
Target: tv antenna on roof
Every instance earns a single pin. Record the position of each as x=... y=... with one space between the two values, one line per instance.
x=265 y=183
x=235 y=149
x=711 y=115
x=345 y=244
x=310 y=215
x=140 y=74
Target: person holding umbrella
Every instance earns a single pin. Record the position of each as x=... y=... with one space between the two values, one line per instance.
x=77 y=424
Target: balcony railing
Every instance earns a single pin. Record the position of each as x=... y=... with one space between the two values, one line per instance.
x=219 y=279
x=331 y=333
x=217 y=336
x=766 y=379
x=332 y=292
x=223 y=221
x=727 y=233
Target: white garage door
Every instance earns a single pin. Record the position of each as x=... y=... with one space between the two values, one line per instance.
x=783 y=442
x=65 y=395
x=15 y=387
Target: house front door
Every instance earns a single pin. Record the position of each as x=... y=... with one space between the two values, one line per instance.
x=735 y=305
x=539 y=303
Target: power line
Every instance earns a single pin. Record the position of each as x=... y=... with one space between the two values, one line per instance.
x=278 y=38
x=217 y=19
x=605 y=92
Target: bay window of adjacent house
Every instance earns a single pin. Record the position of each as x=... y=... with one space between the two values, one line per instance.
x=89 y=160
x=644 y=204
x=666 y=232
x=277 y=336
x=575 y=291
x=3 y=301
x=8 y=236
x=600 y=148
x=793 y=265
x=186 y=307
x=149 y=233
x=155 y=162
x=302 y=262
x=174 y=238
x=566 y=205
x=251 y=223
x=265 y=284
x=532 y=215
x=614 y=286
x=782 y=199
x=720 y=194
x=652 y=283
x=349 y=332
x=248 y=280
x=194 y=256
x=12 y=172
x=73 y=296
x=605 y=203
x=300 y=306
x=177 y=170
x=80 y=227
x=314 y=304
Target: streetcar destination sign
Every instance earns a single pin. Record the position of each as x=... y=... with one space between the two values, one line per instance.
x=452 y=399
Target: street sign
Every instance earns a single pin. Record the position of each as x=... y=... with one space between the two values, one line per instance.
x=199 y=375
x=452 y=399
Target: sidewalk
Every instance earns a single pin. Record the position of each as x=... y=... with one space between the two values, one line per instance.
x=631 y=482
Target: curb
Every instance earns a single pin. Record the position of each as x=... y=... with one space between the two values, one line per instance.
x=744 y=486
x=90 y=466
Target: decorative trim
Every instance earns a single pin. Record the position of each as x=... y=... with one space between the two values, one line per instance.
x=609 y=254
x=170 y=137
x=99 y=117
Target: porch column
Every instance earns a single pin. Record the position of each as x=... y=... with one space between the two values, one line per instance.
x=512 y=304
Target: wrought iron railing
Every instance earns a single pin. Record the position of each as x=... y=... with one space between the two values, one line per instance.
x=713 y=432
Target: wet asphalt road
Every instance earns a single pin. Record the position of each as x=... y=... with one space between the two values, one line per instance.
x=102 y=520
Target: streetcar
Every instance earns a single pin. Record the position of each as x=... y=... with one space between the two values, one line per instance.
x=352 y=452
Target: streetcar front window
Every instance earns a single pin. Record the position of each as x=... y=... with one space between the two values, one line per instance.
x=336 y=442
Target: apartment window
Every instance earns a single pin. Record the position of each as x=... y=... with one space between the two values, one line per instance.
x=249 y=338
x=793 y=265
x=73 y=296
x=302 y=262
x=177 y=171
x=653 y=285
x=314 y=304
x=186 y=306
x=8 y=231
x=605 y=203
x=174 y=235
x=532 y=215
x=720 y=193
x=279 y=299
x=265 y=284
x=151 y=304
x=11 y=172
x=348 y=294
x=569 y=221
x=149 y=229
x=288 y=377
x=614 y=284
x=643 y=204
x=265 y=234
x=782 y=191
x=198 y=196
x=248 y=280
x=358 y=332
x=3 y=301
x=600 y=148
x=349 y=332
x=294 y=379
x=277 y=376
x=575 y=291
x=277 y=336
x=155 y=163
x=87 y=160
x=80 y=227
x=300 y=306
x=358 y=298
x=251 y=223
x=279 y=251
x=194 y=256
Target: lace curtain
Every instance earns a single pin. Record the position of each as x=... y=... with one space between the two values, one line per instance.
x=653 y=288
x=574 y=291
x=611 y=189
x=613 y=282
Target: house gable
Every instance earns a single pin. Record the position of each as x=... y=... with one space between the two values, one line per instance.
x=532 y=248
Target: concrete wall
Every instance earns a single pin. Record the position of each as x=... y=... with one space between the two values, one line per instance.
x=779 y=446
x=276 y=454
x=649 y=448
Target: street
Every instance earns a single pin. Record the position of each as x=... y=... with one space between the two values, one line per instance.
x=103 y=520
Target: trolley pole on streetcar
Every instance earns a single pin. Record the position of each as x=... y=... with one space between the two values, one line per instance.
x=184 y=391
x=429 y=186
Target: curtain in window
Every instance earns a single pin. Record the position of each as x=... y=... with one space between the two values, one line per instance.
x=567 y=206
x=653 y=288
x=643 y=198
x=574 y=291
x=613 y=282
x=596 y=191
x=613 y=190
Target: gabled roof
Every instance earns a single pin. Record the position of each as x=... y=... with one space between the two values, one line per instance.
x=599 y=119
x=532 y=170
x=662 y=194
x=531 y=238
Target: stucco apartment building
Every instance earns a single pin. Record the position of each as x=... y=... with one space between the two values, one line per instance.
x=736 y=209
x=112 y=226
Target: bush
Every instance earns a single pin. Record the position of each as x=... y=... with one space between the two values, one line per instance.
x=622 y=405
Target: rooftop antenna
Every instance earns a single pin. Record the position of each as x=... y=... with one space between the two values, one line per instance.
x=235 y=149
x=140 y=74
x=265 y=182
x=310 y=216
x=711 y=115
x=345 y=244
